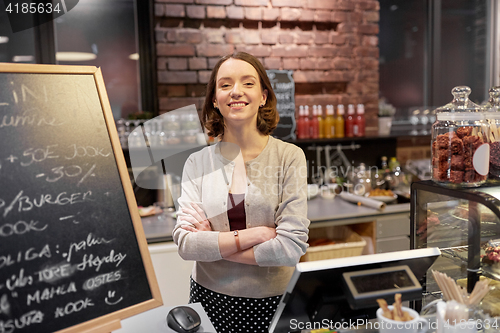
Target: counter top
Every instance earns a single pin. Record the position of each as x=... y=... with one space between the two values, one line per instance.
x=159 y=228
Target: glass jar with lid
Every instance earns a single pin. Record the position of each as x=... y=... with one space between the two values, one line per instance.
x=492 y=115
x=460 y=153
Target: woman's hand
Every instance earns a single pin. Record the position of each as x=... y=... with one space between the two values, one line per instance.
x=197 y=218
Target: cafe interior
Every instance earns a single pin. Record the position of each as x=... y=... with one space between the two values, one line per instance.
x=376 y=193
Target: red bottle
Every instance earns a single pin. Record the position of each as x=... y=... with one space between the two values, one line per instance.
x=359 y=122
x=307 y=123
x=349 y=122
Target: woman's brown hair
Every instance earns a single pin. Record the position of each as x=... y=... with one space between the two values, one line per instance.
x=267 y=117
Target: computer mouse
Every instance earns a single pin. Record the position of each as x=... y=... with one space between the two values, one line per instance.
x=183 y=319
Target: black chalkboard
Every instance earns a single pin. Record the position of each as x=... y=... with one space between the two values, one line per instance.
x=73 y=255
x=284 y=88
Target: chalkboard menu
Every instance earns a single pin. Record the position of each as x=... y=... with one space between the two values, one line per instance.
x=73 y=255
x=284 y=88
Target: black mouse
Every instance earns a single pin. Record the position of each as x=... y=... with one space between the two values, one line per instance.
x=183 y=319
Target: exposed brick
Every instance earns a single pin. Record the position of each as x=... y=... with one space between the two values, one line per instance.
x=369 y=63
x=214 y=36
x=216 y=12
x=171 y=35
x=371 y=16
x=324 y=63
x=163 y=49
x=177 y=77
x=337 y=39
x=322 y=51
x=253 y=13
x=321 y=4
x=286 y=3
x=175 y=11
x=291 y=63
x=338 y=16
x=308 y=63
x=355 y=17
x=172 y=103
x=191 y=36
x=251 y=37
x=197 y=63
x=289 y=51
x=250 y=3
x=235 y=12
x=233 y=37
x=175 y=1
x=346 y=27
x=196 y=12
x=367 y=51
x=305 y=37
x=161 y=63
x=212 y=62
x=214 y=2
x=302 y=76
x=345 y=5
x=322 y=16
x=321 y=37
x=160 y=35
x=272 y=63
x=257 y=50
x=269 y=37
x=368 y=5
x=369 y=41
x=177 y=64
x=290 y=14
x=171 y=90
x=306 y=15
x=286 y=38
x=342 y=63
x=213 y=50
x=270 y=14
x=159 y=9
x=368 y=29
x=344 y=51
x=204 y=76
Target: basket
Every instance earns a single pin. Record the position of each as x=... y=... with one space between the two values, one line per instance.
x=348 y=244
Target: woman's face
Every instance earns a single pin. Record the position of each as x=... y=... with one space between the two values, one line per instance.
x=238 y=93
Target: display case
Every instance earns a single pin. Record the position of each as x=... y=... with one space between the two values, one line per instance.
x=462 y=223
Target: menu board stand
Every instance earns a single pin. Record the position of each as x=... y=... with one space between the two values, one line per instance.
x=73 y=253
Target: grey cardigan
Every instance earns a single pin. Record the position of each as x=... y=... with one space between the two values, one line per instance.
x=276 y=196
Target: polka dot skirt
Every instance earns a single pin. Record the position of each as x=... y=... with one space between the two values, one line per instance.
x=231 y=314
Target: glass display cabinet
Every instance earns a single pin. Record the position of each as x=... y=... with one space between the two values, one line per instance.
x=464 y=224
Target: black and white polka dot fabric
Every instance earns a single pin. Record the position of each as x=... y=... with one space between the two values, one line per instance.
x=231 y=314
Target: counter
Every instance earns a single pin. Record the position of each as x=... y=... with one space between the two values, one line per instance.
x=386 y=230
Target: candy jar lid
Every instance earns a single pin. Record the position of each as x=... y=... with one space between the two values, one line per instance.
x=492 y=107
x=460 y=108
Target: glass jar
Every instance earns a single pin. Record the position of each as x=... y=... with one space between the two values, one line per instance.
x=492 y=115
x=460 y=157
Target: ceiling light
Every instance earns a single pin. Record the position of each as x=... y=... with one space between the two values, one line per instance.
x=23 y=58
x=4 y=39
x=134 y=56
x=75 y=56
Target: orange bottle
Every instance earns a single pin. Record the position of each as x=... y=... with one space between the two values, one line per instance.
x=329 y=123
x=321 y=123
x=339 y=122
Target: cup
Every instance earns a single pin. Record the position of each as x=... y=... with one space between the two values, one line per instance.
x=416 y=325
x=444 y=326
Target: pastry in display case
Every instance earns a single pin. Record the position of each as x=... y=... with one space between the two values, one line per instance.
x=464 y=223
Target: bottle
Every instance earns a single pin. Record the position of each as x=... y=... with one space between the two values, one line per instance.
x=359 y=121
x=307 y=124
x=349 y=121
x=300 y=123
x=321 y=121
x=339 y=122
x=314 y=123
x=329 y=123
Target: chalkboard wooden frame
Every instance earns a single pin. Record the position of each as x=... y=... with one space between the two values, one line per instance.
x=110 y=321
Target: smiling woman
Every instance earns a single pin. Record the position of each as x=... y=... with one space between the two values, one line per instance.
x=245 y=227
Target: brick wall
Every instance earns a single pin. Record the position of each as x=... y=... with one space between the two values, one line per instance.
x=331 y=45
